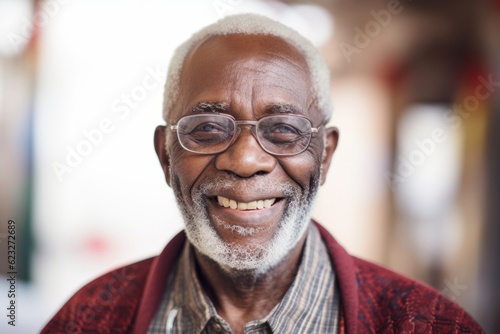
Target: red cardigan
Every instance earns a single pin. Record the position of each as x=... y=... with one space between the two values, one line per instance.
x=373 y=299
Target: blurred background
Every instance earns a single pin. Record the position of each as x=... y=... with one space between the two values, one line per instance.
x=416 y=89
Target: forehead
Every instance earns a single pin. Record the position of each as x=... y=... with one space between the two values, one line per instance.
x=245 y=71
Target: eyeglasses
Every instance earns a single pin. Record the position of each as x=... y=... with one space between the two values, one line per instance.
x=214 y=133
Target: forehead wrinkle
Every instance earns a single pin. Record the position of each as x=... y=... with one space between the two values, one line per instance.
x=254 y=93
x=279 y=68
x=278 y=65
x=295 y=60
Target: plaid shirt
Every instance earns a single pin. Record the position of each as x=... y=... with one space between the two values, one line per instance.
x=311 y=304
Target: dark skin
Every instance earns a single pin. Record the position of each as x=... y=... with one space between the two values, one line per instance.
x=251 y=74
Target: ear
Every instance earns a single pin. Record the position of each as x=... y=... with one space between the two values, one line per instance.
x=332 y=138
x=161 y=151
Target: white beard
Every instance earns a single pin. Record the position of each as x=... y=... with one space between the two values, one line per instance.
x=256 y=259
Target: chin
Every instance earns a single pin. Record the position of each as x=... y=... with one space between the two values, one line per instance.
x=249 y=258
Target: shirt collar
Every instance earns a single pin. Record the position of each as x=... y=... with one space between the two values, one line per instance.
x=196 y=309
x=301 y=299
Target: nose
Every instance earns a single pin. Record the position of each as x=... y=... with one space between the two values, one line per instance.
x=245 y=157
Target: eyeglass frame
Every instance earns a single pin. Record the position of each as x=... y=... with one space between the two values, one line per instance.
x=253 y=124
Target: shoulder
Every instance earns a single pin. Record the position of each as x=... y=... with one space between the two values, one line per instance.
x=105 y=305
x=391 y=302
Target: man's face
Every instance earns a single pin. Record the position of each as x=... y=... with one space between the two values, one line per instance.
x=248 y=77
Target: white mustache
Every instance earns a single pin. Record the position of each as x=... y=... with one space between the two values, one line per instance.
x=221 y=184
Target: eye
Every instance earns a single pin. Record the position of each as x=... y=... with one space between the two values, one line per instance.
x=209 y=127
x=281 y=133
x=208 y=133
x=284 y=128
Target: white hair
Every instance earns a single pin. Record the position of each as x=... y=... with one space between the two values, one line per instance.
x=252 y=24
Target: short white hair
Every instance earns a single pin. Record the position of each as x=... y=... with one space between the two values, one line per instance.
x=252 y=24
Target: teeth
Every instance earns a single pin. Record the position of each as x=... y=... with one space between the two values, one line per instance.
x=268 y=203
x=233 y=204
x=252 y=205
x=260 y=204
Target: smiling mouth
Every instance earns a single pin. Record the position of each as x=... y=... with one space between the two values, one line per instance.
x=243 y=206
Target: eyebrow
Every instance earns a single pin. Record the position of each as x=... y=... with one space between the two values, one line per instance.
x=282 y=108
x=204 y=107
x=223 y=107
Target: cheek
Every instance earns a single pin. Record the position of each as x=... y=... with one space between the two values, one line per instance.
x=305 y=167
x=187 y=167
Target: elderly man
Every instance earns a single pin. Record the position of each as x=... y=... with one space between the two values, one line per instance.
x=245 y=150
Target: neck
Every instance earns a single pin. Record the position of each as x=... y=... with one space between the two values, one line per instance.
x=240 y=297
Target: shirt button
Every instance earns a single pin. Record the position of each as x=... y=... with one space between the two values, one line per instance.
x=216 y=327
